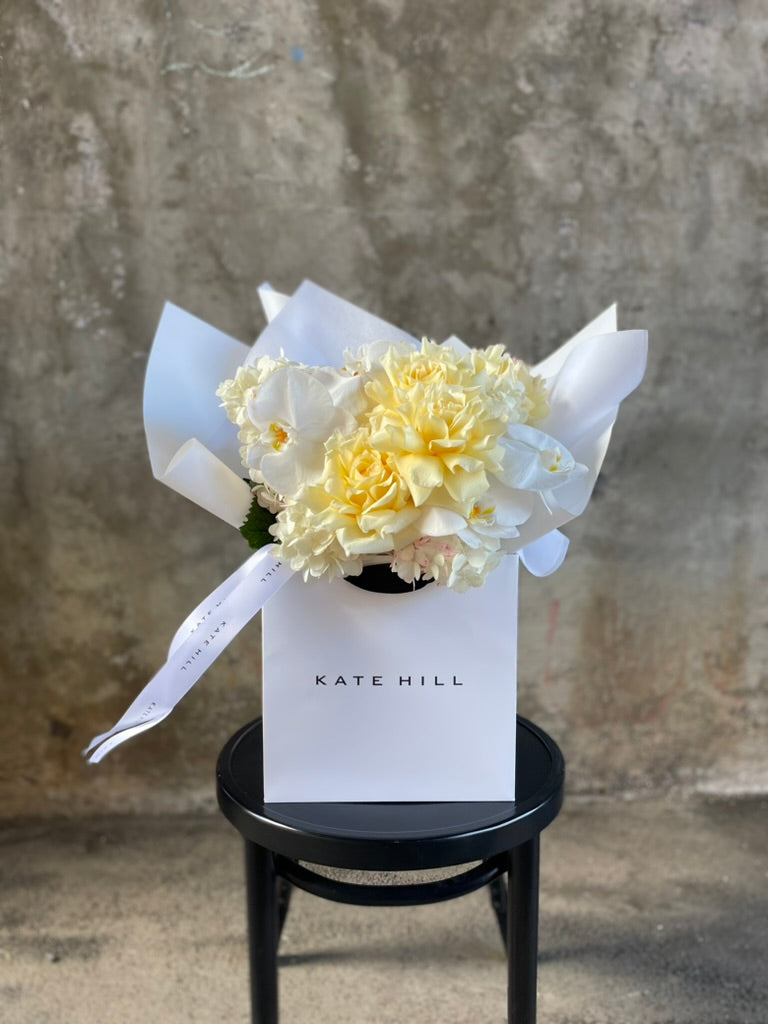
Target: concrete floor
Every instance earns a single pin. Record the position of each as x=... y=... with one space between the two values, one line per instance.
x=652 y=913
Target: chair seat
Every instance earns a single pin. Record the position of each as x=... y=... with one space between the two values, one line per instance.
x=391 y=836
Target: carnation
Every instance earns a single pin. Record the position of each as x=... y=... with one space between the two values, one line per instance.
x=524 y=394
x=310 y=547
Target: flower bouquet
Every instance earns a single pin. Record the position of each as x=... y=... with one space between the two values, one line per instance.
x=348 y=452
x=423 y=458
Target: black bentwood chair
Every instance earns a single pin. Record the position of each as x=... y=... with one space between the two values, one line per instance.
x=280 y=839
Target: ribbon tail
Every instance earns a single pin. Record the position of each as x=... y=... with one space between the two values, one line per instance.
x=544 y=556
x=209 y=604
x=100 y=746
x=217 y=623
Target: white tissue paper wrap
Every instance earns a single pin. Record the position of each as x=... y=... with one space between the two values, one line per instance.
x=194 y=449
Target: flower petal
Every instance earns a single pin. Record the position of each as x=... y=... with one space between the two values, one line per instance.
x=534 y=461
x=437 y=521
x=287 y=471
x=512 y=507
x=421 y=474
x=293 y=396
x=346 y=390
x=466 y=487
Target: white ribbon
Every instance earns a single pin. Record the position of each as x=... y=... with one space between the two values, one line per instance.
x=544 y=556
x=200 y=639
x=217 y=620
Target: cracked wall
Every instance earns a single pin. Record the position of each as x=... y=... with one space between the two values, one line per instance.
x=499 y=173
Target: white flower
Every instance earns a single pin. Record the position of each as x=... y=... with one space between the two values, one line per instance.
x=290 y=417
x=470 y=566
x=428 y=558
x=534 y=461
x=447 y=561
x=368 y=357
x=345 y=388
x=268 y=498
x=496 y=516
x=310 y=547
x=235 y=393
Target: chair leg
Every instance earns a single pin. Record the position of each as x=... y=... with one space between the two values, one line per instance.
x=523 y=932
x=263 y=932
x=498 y=893
x=284 y=891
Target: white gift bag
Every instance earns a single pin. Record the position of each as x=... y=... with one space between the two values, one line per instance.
x=390 y=697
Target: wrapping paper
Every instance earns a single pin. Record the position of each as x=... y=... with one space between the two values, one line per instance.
x=589 y=377
x=193 y=449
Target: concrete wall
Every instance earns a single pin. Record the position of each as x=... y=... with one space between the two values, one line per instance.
x=499 y=170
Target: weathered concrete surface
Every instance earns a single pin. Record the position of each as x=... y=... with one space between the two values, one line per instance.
x=499 y=170
x=652 y=912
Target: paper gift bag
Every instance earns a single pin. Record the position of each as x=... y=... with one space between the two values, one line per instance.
x=390 y=697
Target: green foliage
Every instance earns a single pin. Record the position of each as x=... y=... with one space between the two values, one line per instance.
x=255 y=529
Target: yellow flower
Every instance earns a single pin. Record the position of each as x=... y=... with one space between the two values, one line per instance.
x=441 y=414
x=442 y=436
x=362 y=496
x=361 y=506
x=405 y=367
